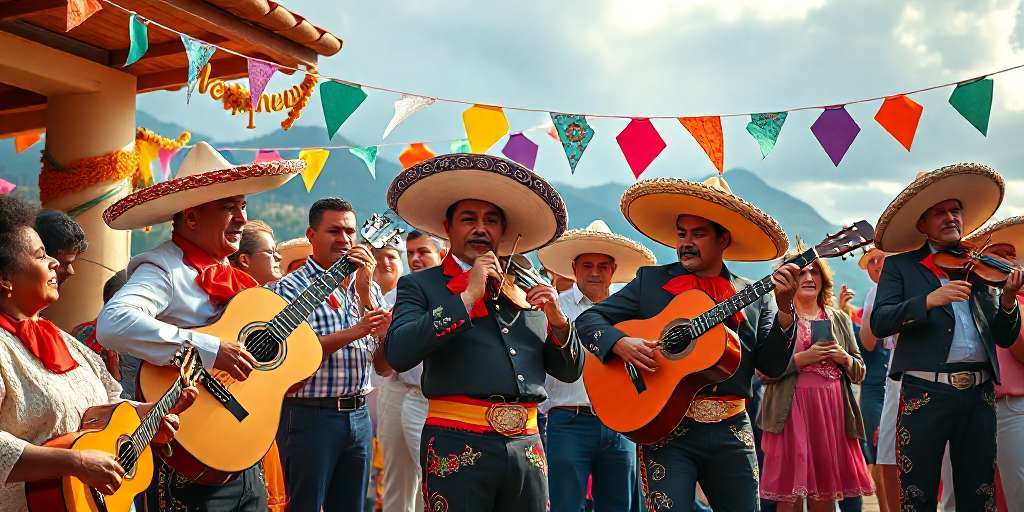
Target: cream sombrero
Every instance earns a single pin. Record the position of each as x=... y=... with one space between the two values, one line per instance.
x=533 y=209
x=292 y=250
x=652 y=207
x=204 y=176
x=629 y=256
x=1007 y=231
x=979 y=189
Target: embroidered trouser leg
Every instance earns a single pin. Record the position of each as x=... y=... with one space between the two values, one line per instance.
x=932 y=414
x=719 y=456
x=471 y=472
x=171 y=492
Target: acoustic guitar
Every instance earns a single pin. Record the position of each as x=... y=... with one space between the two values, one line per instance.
x=232 y=424
x=123 y=435
x=696 y=351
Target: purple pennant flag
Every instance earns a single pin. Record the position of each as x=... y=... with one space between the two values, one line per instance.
x=259 y=74
x=521 y=149
x=835 y=130
x=267 y=155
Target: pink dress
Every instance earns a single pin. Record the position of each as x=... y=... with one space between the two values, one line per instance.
x=813 y=457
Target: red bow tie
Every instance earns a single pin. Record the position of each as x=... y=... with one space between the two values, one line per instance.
x=458 y=284
x=717 y=287
x=219 y=280
x=929 y=263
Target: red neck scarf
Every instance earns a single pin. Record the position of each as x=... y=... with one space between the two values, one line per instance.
x=219 y=280
x=458 y=284
x=717 y=287
x=43 y=340
x=929 y=263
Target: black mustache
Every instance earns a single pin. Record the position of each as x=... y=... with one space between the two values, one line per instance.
x=478 y=241
x=687 y=252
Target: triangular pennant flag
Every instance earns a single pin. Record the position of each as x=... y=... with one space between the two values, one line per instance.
x=575 y=133
x=707 y=131
x=6 y=187
x=147 y=153
x=199 y=54
x=367 y=154
x=339 y=101
x=974 y=101
x=25 y=141
x=552 y=131
x=640 y=144
x=138 y=33
x=459 y=146
x=485 y=125
x=899 y=115
x=765 y=128
x=267 y=155
x=259 y=74
x=521 y=149
x=165 y=161
x=835 y=130
x=80 y=10
x=315 y=160
x=405 y=107
x=414 y=154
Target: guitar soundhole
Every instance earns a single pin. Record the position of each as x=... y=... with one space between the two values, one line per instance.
x=263 y=346
x=127 y=457
x=676 y=339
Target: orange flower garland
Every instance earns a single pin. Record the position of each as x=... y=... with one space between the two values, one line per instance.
x=237 y=98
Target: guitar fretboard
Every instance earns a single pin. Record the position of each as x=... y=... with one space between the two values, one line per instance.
x=144 y=434
x=295 y=313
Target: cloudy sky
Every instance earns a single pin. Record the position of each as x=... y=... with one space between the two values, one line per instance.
x=699 y=57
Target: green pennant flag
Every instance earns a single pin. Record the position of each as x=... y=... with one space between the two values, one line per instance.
x=367 y=154
x=974 y=101
x=339 y=101
x=459 y=146
x=765 y=129
x=138 y=32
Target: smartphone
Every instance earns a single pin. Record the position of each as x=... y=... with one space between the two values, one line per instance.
x=821 y=332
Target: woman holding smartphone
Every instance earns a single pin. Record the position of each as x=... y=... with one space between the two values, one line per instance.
x=812 y=424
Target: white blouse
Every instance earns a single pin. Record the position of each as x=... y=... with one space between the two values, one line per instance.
x=37 y=405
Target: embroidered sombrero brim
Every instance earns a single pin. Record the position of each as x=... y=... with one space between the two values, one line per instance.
x=629 y=256
x=292 y=250
x=652 y=207
x=979 y=189
x=1007 y=231
x=158 y=203
x=533 y=208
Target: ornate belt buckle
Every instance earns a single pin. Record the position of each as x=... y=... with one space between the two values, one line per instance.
x=507 y=419
x=962 y=380
x=708 y=411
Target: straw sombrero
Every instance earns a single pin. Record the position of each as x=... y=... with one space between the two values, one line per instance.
x=292 y=250
x=979 y=188
x=1007 y=231
x=533 y=209
x=863 y=261
x=629 y=256
x=204 y=176
x=652 y=207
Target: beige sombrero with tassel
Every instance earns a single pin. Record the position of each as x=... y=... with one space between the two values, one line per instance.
x=293 y=250
x=1007 y=231
x=597 y=238
x=204 y=176
x=534 y=211
x=652 y=207
x=866 y=257
x=979 y=188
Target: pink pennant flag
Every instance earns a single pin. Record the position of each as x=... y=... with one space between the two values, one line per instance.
x=640 y=144
x=165 y=156
x=259 y=75
x=6 y=187
x=267 y=155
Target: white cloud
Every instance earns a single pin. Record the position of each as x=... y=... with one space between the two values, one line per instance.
x=645 y=15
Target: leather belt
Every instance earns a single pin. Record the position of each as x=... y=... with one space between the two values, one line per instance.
x=482 y=416
x=576 y=409
x=338 y=403
x=709 y=410
x=959 y=380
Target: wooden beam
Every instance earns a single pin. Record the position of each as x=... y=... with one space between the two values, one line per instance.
x=20 y=100
x=15 y=9
x=224 y=69
x=12 y=125
x=172 y=47
x=54 y=40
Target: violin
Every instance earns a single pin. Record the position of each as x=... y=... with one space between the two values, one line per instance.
x=519 y=277
x=969 y=259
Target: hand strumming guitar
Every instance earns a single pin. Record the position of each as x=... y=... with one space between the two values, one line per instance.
x=638 y=352
x=235 y=360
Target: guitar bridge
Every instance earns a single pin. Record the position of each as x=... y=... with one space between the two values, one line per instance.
x=223 y=396
x=636 y=378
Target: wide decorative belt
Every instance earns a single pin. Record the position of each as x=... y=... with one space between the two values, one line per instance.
x=959 y=380
x=483 y=416
x=715 y=409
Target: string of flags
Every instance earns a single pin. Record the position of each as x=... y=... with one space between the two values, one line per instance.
x=639 y=141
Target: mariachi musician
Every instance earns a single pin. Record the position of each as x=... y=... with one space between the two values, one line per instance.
x=484 y=357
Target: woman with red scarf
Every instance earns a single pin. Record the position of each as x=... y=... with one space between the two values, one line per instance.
x=50 y=384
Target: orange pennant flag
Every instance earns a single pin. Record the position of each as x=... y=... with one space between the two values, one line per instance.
x=25 y=141
x=899 y=115
x=80 y=10
x=414 y=154
x=707 y=131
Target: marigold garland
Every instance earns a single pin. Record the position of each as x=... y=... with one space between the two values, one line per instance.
x=162 y=142
x=237 y=98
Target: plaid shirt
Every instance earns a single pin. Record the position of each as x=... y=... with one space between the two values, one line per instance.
x=347 y=371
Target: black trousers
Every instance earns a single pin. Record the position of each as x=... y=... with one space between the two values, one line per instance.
x=471 y=472
x=719 y=456
x=171 y=492
x=932 y=414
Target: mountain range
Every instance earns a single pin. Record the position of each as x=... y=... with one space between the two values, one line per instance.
x=345 y=175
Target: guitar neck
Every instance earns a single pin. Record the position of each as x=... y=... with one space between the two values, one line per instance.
x=150 y=425
x=743 y=298
x=295 y=313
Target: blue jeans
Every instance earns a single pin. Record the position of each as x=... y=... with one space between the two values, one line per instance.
x=326 y=457
x=580 y=446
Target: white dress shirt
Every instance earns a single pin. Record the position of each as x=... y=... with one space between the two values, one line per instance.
x=572 y=303
x=151 y=316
